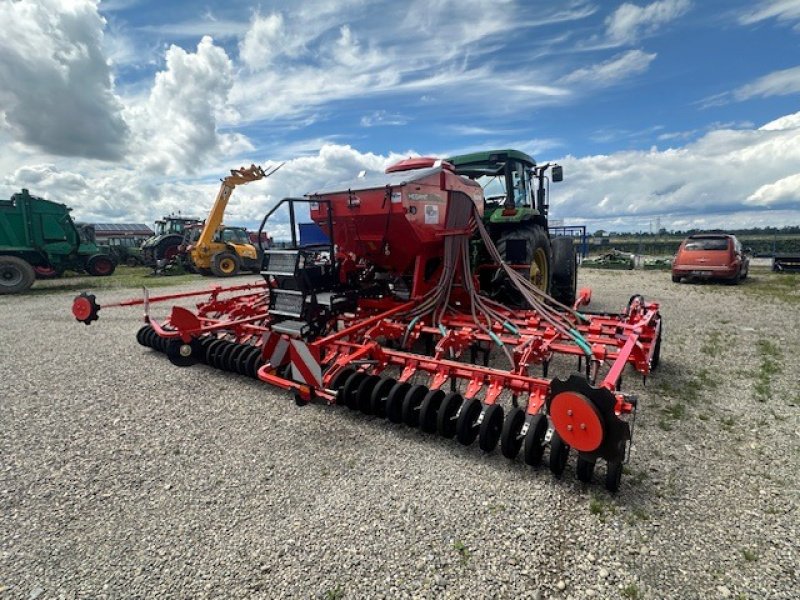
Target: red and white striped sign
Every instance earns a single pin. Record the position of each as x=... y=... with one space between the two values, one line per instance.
x=275 y=347
x=305 y=364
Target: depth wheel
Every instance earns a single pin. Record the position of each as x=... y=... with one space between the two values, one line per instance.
x=510 y=438
x=364 y=394
x=491 y=427
x=584 y=468
x=446 y=418
x=534 y=440
x=379 y=395
x=559 y=454
x=394 y=402
x=180 y=354
x=466 y=430
x=350 y=388
x=614 y=470
x=429 y=410
x=411 y=404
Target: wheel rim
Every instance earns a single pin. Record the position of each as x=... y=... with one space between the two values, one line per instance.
x=10 y=275
x=103 y=267
x=227 y=266
x=539 y=269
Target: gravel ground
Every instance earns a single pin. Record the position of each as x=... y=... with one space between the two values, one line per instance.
x=122 y=476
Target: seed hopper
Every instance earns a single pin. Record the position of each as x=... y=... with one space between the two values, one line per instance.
x=389 y=319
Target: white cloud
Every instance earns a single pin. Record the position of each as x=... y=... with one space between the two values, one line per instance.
x=782 y=10
x=617 y=68
x=630 y=22
x=382 y=118
x=176 y=128
x=779 y=192
x=777 y=83
x=56 y=89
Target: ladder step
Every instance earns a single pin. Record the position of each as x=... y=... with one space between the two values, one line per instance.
x=287 y=303
x=291 y=328
x=280 y=262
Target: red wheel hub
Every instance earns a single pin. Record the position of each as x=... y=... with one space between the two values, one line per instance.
x=577 y=421
x=81 y=308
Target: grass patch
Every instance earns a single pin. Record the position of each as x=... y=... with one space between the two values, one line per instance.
x=749 y=555
x=632 y=592
x=600 y=507
x=336 y=593
x=779 y=286
x=770 y=365
x=713 y=344
x=463 y=551
x=727 y=423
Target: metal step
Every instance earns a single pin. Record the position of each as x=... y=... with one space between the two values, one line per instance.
x=291 y=328
x=280 y=262
x=286 y=303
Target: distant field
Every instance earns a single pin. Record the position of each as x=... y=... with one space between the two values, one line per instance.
x=668 y=245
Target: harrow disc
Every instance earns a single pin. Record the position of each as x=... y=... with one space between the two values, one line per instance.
x=241 y=361
x=350 y=388
x=534 y=440
x=364 y=394
x=254 y=362
x=233 y=358
x=222 y=357
x=559 y=454
x=491 y=427
x=411 y=403
x=466 y=430
x=446 y=418
x=511 y=438
x=394 y=402
x=180 y=354
x=429 y=410
x=379 y=395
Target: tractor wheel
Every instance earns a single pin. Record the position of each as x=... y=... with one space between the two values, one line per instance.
x=559 y=454
x=564 y=287
x=379 y=395
x=225 y=264
x=526 y=244
x=510 y=440
x=429 y=410
x=411 y=404
x=676 y=278
x=491 y=427
x=534 y=440
x=16 y=275
x=446 y=420
x=466 y=431
x=584 y=469
x=394 y=402
x=46 y=272
x=100 y=265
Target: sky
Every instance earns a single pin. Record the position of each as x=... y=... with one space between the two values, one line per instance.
x=681 y=112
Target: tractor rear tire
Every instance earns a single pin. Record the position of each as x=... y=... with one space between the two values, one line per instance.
x=225 y=264
x=16 y=275
x=100 y=265
x=536 y=254
x=564 y=286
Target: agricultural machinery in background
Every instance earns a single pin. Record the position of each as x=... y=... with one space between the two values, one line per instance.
x=420 y=311
x=160 y=249
x=38 y=238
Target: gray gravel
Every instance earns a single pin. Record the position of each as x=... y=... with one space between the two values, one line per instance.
x=122 y=476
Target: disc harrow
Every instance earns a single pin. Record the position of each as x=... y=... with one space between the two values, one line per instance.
x=421 y=346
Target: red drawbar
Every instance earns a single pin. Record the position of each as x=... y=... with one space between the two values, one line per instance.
x=577 y=421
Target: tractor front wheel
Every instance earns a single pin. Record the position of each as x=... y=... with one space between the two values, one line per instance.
x=225 y=264
x=100 y=265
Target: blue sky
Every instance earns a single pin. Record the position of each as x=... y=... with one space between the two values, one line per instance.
x=680 y=109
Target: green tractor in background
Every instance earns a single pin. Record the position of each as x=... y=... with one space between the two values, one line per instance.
x=516 y=214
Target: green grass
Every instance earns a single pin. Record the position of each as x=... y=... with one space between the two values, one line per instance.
x=463 y=551
x=713 y=344
x=770 y=365
x=781 y=286
x=123 y=277
x=336 y=593
x=749 y=555
x=632 y=592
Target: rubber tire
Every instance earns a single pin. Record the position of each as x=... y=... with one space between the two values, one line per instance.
x=233 y=359
x=254 y=363
x=510 y=441
x=559 y=455
x=141 y=333
x=584 y=469
x=446 y=417
x=411 y=404
x=217 y=260
x=466 y=432
x=533 y=447
x=614 y=471
x=24 y=273
x=364 y=394
x=222 y=359
x=100 y=265
x=350 y=388
x=536 y=237
x=394 y=402
x=564 y=285
x=676 y=278
x=174 y=355
x=429 y=410
x=379 y=394
x=491 y=427
x=244 y=357
x=211 y=350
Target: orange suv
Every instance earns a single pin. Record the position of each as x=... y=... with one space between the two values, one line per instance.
x=711 y=256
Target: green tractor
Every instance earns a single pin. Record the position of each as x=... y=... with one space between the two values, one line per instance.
x=516 y=214
x=159 y=250
x=38 y=238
